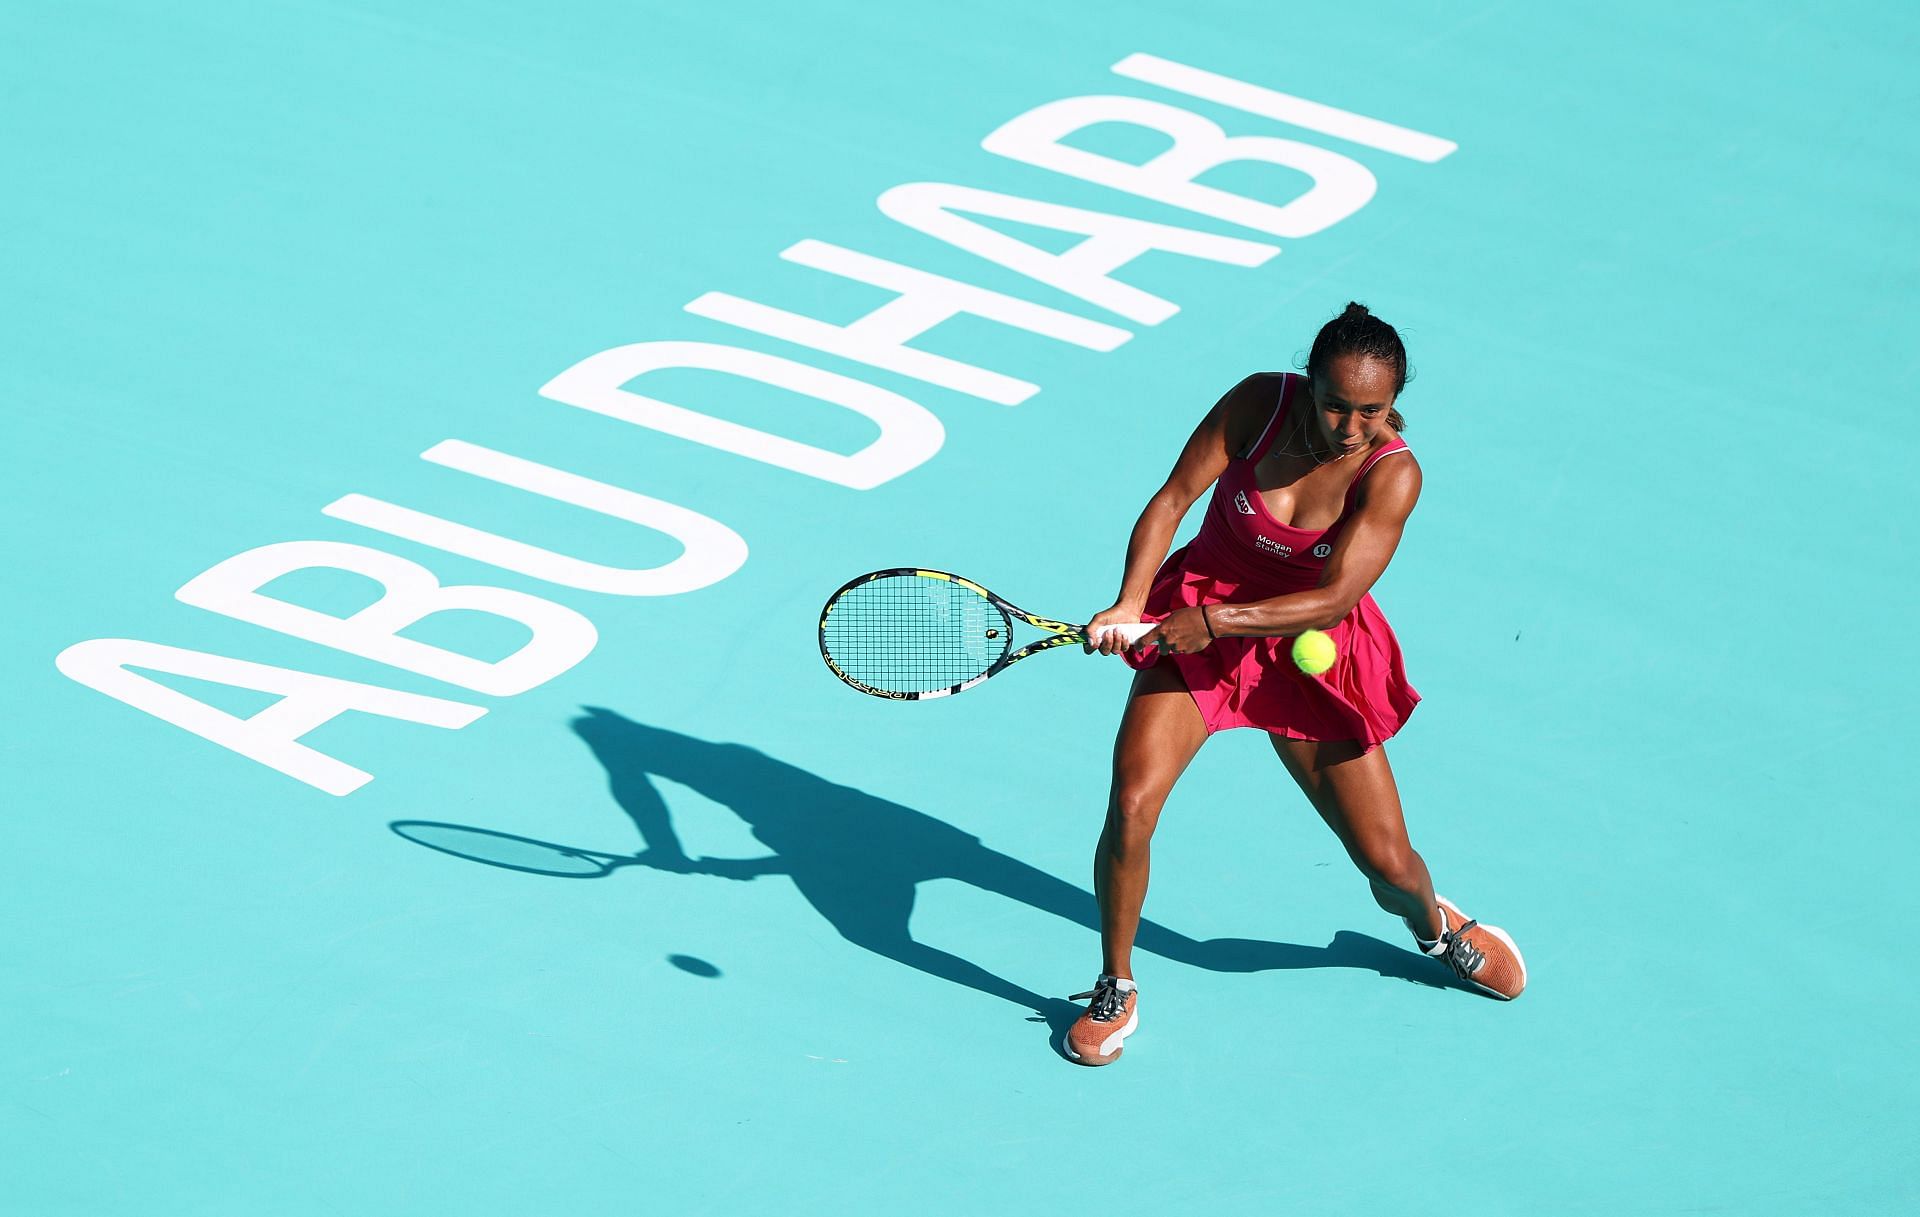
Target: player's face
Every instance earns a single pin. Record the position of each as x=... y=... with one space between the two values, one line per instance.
x=1352 y=397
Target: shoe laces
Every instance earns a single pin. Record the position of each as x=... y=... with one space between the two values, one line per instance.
x=1460 y=954
x=1108 y=1003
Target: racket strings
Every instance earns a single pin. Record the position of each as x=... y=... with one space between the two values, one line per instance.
x=914 y=634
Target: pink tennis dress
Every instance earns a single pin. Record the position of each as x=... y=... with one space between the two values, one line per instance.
x=1243 y=554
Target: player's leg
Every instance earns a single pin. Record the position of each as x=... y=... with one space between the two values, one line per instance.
x=1354 y=792
x=1159 y=734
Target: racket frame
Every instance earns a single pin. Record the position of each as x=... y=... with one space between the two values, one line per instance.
x=1062 y=633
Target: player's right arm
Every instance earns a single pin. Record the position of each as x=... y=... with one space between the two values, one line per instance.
x=1225 y=430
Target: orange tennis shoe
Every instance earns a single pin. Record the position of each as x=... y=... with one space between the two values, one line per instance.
x=1481 y=955
x=1112 y=1015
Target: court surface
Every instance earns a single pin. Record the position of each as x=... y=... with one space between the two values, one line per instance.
x=632 y=908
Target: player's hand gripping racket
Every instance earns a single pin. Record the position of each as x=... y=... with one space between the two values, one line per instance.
x=908 y=635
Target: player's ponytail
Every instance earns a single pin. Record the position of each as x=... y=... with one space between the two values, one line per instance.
x=1357 y=331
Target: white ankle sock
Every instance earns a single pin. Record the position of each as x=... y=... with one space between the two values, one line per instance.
x=1430 y=946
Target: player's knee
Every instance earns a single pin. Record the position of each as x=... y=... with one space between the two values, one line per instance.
x=1397 y=867
x=1133 y=812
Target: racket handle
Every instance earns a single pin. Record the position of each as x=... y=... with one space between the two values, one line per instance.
x=1132 y=631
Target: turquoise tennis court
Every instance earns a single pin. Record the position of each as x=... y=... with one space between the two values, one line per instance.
x=434 y=428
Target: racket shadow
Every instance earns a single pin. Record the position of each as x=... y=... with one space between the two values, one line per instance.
x=510 y=852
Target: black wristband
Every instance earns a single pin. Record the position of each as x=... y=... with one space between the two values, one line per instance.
x=1209 y=624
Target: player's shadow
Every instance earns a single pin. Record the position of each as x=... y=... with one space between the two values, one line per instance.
x=858 y=860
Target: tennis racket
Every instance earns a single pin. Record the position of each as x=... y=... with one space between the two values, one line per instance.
x=908 y=635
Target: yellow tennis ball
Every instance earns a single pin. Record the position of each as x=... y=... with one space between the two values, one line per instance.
x=1314 y=652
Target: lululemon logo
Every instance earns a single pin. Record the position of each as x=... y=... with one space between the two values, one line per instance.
x=1240 y=501
x=1322 y=550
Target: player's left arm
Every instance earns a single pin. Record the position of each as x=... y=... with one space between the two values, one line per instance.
x=1366 y=545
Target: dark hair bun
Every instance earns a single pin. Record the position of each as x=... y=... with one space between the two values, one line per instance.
x=1357 y=331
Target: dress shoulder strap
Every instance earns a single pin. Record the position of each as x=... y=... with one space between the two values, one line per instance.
x=1353 y=487
x=1258 y=452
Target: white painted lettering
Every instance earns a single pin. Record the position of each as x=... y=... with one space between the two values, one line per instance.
x=561 y=637
x=1111 y=242
x=1341 y=185
x=272 y=736
x=1286 y=108
x=924 y=301
x=712 y=550
x=909 y=432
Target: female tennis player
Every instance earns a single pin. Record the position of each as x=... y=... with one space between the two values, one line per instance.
x=1312 y=486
